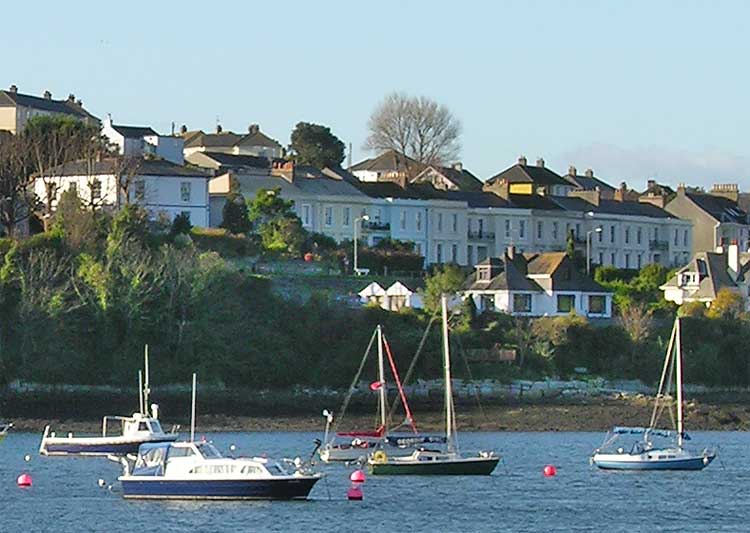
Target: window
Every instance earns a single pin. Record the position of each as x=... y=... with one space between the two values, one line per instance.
x=676 y=238
x=73 y=187
x=685 y=238
x=565 y=303
x=455 y=223
x=487 y=302
x=480 y=227
x=539 y=230
x=96 y=189
x=347 y=216
x=554 y=230
x=376 y=215
x=305 y=214
x=521 y=229
x=185 y=191
x=627 y=260
x=402 y=218
x=507 y=228
x=440 y=222
x=612 y=233
x=601 y=259
x=454 y=253
x=638 y=261
x=578 y=231
x=656 y=234
x=600 y=233
x=439 y=253
x=140 y=190
x=638 y=235
x=627 y=234
x=328 y=216
x=613 y=259
x=522 y=303
x=483 y=273
x=597 y=304
x=418 y=220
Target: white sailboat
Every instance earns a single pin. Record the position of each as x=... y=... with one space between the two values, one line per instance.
x=646 y=453
x=438 y=462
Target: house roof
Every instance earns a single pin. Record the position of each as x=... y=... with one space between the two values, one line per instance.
x=373 y=289
x=388 y=161
x=388 y=189
x=134 y=132
x=258 y=138
x=610 y=207
x=713 y=275
x=144 y=167
x=312 y=181
x=520 y=173
x=720 y=208
x=211 y=140
x=587 y=183
x=232 y=160
x=461 y=178
x=67 y=107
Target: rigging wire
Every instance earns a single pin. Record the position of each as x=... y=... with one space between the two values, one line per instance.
x=354 y=383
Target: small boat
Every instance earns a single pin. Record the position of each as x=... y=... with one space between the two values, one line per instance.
x=656 y=448
x=447 y=462
x=353 y=446
x=4 y=428
x=121 y=435
x=196 y=470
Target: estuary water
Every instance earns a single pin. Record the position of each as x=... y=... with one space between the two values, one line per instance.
x=65 y=496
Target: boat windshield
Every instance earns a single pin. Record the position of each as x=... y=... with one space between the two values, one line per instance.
x=156 y=427
x=151 y=458
x=208 y=450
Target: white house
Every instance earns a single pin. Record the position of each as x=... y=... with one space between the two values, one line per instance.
x=254 y=142
x=398 y=296
x=373 y=293
x=137 y=141
x=536 y=284
x=162 y=187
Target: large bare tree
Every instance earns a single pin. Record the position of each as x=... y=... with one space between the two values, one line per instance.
x=415 y=126
x=16 y=186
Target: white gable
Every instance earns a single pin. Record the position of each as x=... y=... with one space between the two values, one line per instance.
x=373 y=289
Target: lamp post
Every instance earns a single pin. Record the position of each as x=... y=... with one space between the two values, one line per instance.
x=357 y=220
x=598 y=229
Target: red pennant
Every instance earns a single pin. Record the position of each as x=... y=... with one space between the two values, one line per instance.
x=375 y=385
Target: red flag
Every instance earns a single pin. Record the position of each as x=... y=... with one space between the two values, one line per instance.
x=375 y=385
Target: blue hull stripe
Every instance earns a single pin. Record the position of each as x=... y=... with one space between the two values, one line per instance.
x=696 y=463
x=286 y=489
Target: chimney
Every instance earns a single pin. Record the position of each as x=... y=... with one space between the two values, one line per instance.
x=283 y=169
x=183 y=129
x=510 y=253
x=47 y=95
x=79 y=102
x=498 y=187
x=219 y=129
x=13 y=89
x=730 y=191
x=522 y=160
x=572 y=171
x=540 y=162
x=592 y=197
x=71 y=98
x=589 y=173
x=622 y=192
x=733 y=259
x=651 y=184
x=253 y=128
x=458 y=166
x=681 y=189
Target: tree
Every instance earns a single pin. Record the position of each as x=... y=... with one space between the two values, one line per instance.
x=234 y=214
x=692 y=310
x=16 y=184
x=727 y=304
x=181 y=225
x=314 y=144
x=637 y=320
x=416 y=127
x=79 y=225
x=446 y=280
x=274 y=219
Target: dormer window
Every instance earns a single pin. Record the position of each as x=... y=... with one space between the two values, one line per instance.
x=483 y=274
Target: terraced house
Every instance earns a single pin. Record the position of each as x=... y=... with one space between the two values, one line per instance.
x=16 y=109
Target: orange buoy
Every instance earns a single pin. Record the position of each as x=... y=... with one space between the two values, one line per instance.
x=549 y=470
x=24 y=480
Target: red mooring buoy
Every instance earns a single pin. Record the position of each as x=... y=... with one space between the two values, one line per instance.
x=24 y=480
x=549 y=470
x=357 y=477
x=354 y=493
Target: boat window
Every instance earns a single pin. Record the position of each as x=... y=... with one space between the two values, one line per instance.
x=181 y=452
x=156 y=427
x=275 y=470
x=215 y=469
x=251 y=470
x=142 y=426
x=152 y=457
x=208 y=450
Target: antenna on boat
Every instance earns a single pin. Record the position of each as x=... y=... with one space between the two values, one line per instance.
x=192 y=413
x=146 y=389
x=140 y=391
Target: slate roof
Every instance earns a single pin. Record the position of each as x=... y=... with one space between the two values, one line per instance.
x=587 y=183
x=388 y=189
x=713 y=273
x=610 y=207
x=134 y=132
x=67 y=107
x=388 y=161
x=146 y=167
x=720 y=208
x=212 y=140
x=236 y=161
x=519 y=173
x=462 y=179
x=258 y=138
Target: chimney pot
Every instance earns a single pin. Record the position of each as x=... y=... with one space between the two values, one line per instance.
x=540 y=162
x=253 y=128
x=589 y=173
x=572 y=171
x=13 y=89
x=183 y=129
x=522 y=160
x=47 y=95
x=458 y=166
x=219 y=129
x=71 y=97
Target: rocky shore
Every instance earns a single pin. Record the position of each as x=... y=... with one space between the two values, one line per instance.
x=591 y=415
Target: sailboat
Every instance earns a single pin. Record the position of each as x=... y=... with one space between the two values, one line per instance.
x=425 y=461
x=351 y=446
x=657 y=449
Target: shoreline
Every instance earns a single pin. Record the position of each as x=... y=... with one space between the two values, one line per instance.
x=597 y=416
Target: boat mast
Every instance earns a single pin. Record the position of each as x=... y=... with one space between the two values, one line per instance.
x=146 y=389
x=678 y=371
x=447 y=367
x=381 y=379
x=660 y=391
x=192 y=412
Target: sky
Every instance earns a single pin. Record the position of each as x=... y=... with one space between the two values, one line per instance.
x=633 y=89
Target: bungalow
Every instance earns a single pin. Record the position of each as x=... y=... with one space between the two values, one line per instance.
x=535 y=284
x=395 y=298
x=709 y=272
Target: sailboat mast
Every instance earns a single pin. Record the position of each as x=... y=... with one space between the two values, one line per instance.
x=447 y=369
x=146 y=389
x=381 y=378
x=678 y=371
x=660 y=391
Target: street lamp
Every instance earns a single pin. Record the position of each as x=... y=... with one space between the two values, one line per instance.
x=598 y=229
x=356 y=225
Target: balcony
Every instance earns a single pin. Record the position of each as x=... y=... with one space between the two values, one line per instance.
x=481 y=235
x=658 y=245
x=376 y=225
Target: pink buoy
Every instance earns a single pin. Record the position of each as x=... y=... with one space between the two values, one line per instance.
x=357 y=476
x=354 y=493
x=549 y=470
x=24 y=480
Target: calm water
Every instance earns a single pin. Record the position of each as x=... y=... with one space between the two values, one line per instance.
x=65 y=496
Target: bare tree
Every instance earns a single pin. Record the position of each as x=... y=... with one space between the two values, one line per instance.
x=16 y=191
x=637 y=320
x=415 y=126
x=125 y=170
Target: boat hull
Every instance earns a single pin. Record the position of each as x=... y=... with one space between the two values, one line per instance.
x=479 y=466
x=135 y=487
x=615 y=462
x=97 y=446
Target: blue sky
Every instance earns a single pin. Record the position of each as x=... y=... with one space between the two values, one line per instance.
x=633 y=89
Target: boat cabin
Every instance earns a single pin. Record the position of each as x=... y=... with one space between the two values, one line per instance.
x=138 y=424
